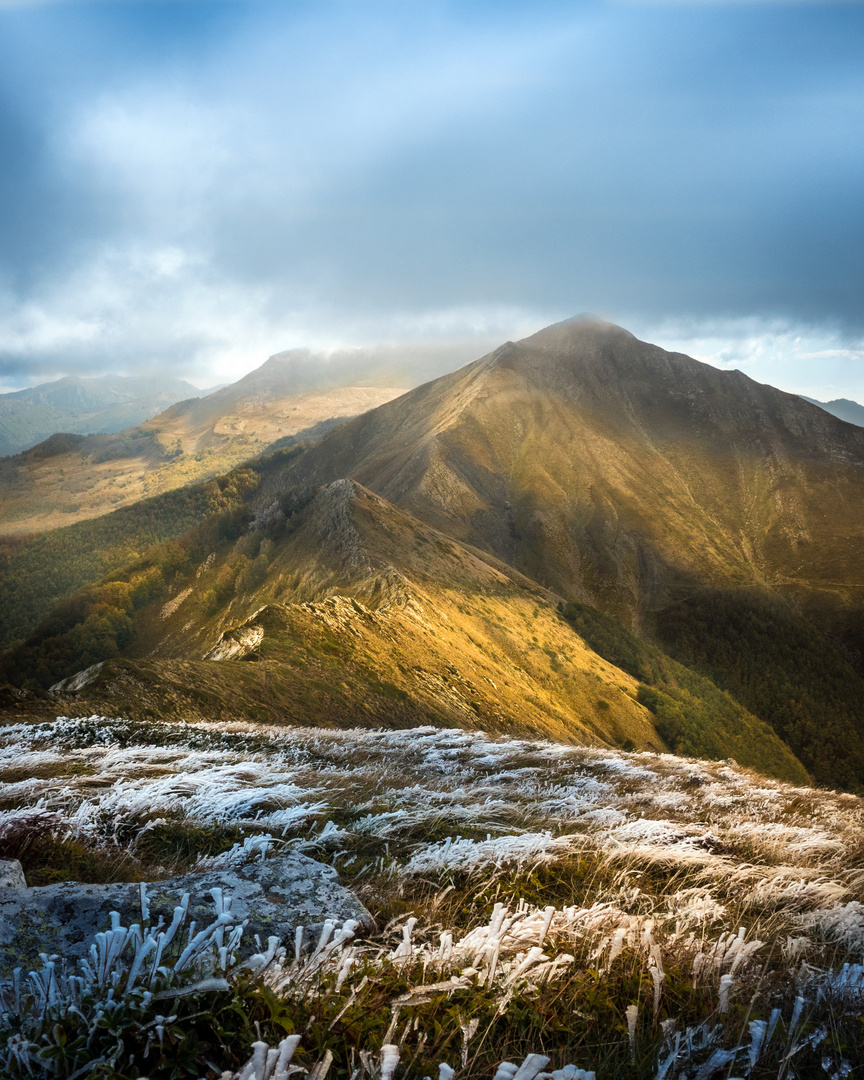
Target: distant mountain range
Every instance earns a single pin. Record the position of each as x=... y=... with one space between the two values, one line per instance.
x=82 y=406
x=69 y=477
x=579 y=534
x=847 y=410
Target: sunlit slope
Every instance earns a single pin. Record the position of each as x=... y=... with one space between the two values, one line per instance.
x=611 y=470
x=39 y=570
x=345 y=611
x=70 y=478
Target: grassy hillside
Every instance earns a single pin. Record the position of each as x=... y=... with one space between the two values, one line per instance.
x=39 y=571
x=637 y=915
x=691 y=714
x=358 y=613
x=334 y=607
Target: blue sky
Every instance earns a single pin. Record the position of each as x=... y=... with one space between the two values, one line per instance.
x=191 y=186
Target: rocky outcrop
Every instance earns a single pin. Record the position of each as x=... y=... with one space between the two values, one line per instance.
x=78 y=681
x=331 y=516
x=275 y=895
x=237 y=643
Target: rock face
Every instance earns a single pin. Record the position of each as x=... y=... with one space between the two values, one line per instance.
x=234 y=644
x=11 y=874
x=77 y=681
x=275 y=895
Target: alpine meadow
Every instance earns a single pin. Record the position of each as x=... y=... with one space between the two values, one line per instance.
x=402 y=675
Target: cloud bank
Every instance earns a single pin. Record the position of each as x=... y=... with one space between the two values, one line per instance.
x=192 y=187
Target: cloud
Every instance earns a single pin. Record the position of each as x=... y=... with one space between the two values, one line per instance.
x=166 y=309
x=816 y=360
x=159 y=308
x=198 y=185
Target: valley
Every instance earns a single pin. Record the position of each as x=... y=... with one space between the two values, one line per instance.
x=69 y=478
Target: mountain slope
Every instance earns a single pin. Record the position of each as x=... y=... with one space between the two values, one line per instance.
x=616 y=472
x=292 y=396
x=756 y=645
x=40 y=570
x=350 y=611
x=630 y=478
x=81 y=406
x=611 y=473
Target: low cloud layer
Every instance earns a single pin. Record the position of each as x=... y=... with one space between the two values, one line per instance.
x=192 y=187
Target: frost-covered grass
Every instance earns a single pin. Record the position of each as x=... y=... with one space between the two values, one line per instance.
x=637 y=915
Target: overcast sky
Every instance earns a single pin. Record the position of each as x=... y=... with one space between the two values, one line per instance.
x=192 y=186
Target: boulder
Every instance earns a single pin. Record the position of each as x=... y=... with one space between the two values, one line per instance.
x=275 y=895
x=11 y=874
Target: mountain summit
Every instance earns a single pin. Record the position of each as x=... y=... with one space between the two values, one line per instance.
x=616 y=472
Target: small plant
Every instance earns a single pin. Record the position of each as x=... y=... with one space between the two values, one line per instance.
x=149 y=1000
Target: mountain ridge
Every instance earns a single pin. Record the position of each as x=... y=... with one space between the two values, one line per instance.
x=843 y=408
x=612 y=476
x=348 y=610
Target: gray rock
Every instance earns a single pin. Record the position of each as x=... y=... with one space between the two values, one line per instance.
x=237 y=643
x=11 y=874
x=276 y=895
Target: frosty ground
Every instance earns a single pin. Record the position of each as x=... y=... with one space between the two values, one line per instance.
x=636 y=915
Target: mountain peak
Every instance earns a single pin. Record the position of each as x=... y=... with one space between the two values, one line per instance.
x=579 y=330
x=587 y=355
x=604 y=466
